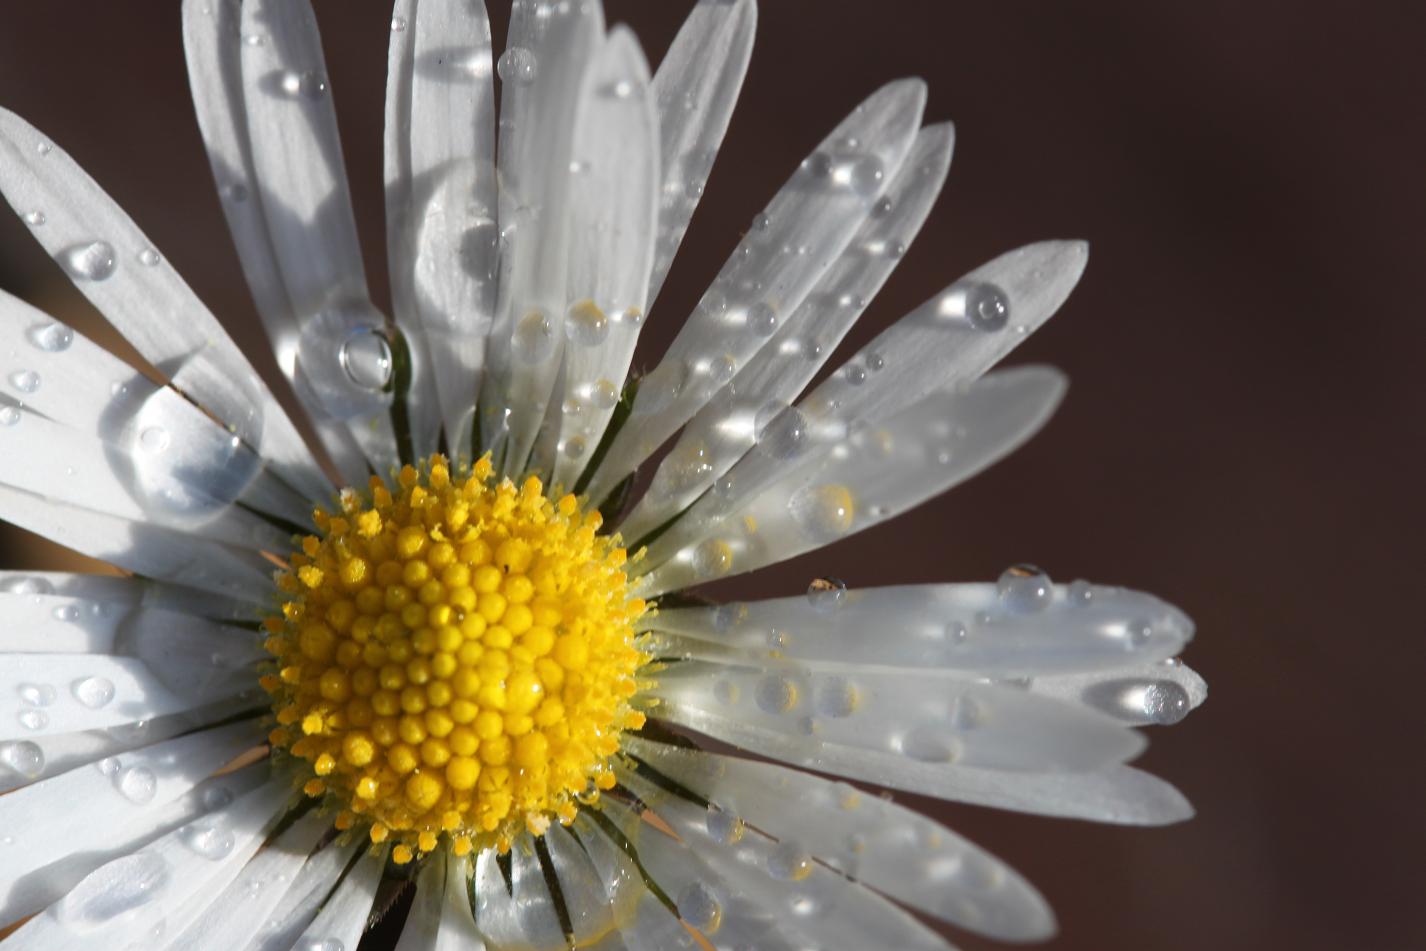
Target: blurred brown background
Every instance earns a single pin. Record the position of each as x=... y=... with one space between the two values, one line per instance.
x=1242 y=436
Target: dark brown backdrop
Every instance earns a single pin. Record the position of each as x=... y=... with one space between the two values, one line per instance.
x=1243 y=432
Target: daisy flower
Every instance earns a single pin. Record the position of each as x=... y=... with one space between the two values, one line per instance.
x=448 y=653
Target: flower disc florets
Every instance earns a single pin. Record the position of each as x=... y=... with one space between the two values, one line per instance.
x=454 y=656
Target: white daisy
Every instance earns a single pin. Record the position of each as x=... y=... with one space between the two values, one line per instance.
x=454 y=675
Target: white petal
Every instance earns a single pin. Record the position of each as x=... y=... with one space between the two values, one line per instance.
x=457 y=929
x=342 y=917
x=818 y=903
x=254 y=894
x=549 y=48
x=962 y=627
x=921 y=717
x=613 y=211
x=100 y=593
x=139 y=292
x=586 y=894
x=1141 y=694
x=724 y=430
x=153 y=551
x=441 y=231
x=167 y=884
x=212 y=44
x=809 y=223
x=522 y=917
x=123 y=799
x=789 y=498
x=883 y=845
x=696 y=87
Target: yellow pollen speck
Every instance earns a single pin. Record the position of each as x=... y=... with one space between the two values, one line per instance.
x=454 y=658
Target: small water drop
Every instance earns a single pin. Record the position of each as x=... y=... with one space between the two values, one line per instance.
x=854 y=374
x=698 y=906
x=573 y=447
x=366 y=358
x=826 y=595
x=762 y=319
x=92 y=261
x=33 y=719
x=824 y=513
x=113 y=889
x=967 y=713
x=109 y=765
x=137 y=784
x=585 y=324
x=9 y=416
x=36 y=695
x=1081 y=593
x=712 y=559
x=604 y=394
x=93 y=692
x=154 y=439
x=726 y=692
x=254 y=39
x=762 y=222
x=986 y=306
x=882 y=207
x=776 y=694
x=398 y=24
x=836 y=697
x=1138 y=632
x=781 y=430
x=1025 y=588
x=533 y=341
x=35 y=218
x=236 y=192
x=724 y=827
x=789 y=862
x=148 y=257
x=52 y=337
x=208 y=838
x=44 y=148
x=26 y=381
x=65 y=612
x=23 y=757
x=862 y=174
x=929 y=743
x=26 y=584
x=216 y=797
x=517 y=65
x=694 y=190
x=1165 y=702
x=310 y=85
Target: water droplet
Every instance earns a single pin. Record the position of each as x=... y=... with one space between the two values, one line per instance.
x=1165 y=702
x=836 y=697
x=698 y=906
x=620 y=89
x=1025 y=588
x=35 y=218
x=776 y=694
x=26 y=381
x=33 y=719
x=818 y=165
x=137 y=784
x=826 y=595
x=65 y=612
x=789 y=862
x=694 y=190
x=93 y=692
x=9 y=416
x=724 y=827
x=724 y=368
x=896 y=249
x=44 y=148
x=762 y=319
x=154 y=439
x=92 y=261
x=533 y=341
x=1081 y=593
x=967 y=713
x=854 y=374
x=311 y=85
x=603 y=394
x=398 y=24
x=52 y=337
x=929 y=743
x=823 y=512
x=26 y=584
x=517 y=65
x=882 y=207
x=113 y=889
x=208 y=838
x=573 y=447
x=236 y=192
x=36 y=695
x=585 y=324
x=712 y=559
x=726 y=692
x=986 y=306
x=366 y=358
x=1138 y=632
x=726 y=615
x=148 y=257
x=109 y=765
x=781 y=430
x=23 y=757
x=216 y=797
x=254 y=39
x=762 y=223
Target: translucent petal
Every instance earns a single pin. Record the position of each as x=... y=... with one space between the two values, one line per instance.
x=457 y=927
x=809 y=223
x=213 y=44
x=920 y=717
x=789 y=497
x=442 y=236
x=642 y=922
x=342 y=918
x=613 y=213
x=961 y=627
x=725 y=429
x=884 y=846
x=549 y=48
x=113 y=264
x=696 y=87
x=818 y=903
x=99 y=593
x=523 y=917
x=124 y=799
x=166 y=885
x=586 y=895
x=1142 y=694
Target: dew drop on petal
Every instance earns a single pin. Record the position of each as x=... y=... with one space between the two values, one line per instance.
x=762 y=222
x=398 y=24
x=533 y=341
x=724 y=827
x=366 y=358
x=109 y=765
x=824 y=513
x=604 y=394
x=836 y=697
x=67 y=613
x=712 y=558
x=762 y=319
x=36 y=695
x=573 y=448
x=33 y=719
x=1024 y=588
x=1165 y=702
x=929 y=743
x=148 y=257
x=91 y=261
x=1137 y=633
x=35 y=218
x=789 y=862
x=93 y=692
x=985 y=305
x=9 y=416
x=517 y=65
x=23 y=757
x=826 y=595
x=113 y=889
x=208 y=838
x=136 y=784
x=26 y=381
x=776 y=694
x=781 y=430
x=585 y=324
x=154 y=439
x=216 y=797
x=698 y=906
x=51 y=337
x=1081 y=593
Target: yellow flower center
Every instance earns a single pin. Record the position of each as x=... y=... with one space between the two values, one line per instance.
x=454 y=657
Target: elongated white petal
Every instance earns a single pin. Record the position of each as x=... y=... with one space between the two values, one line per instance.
x=56 y=624
x=963 y=627
x=457 y=930
x=924 y=717
x=587 y=897
x=725 y=429
x=1142 y=694
x=253 y=895
x=875 y=474
x=174 y=458
x=124 y=798
x=809 y=223
x=783 y=878
x=521 y=916
x=113 y=264
x=99 y=594
x=150 y=550
x=642 y=921
x=345 y=358
x=696 y=87
x=343 y=912
x=549 y=49
x=213 y=41
x=441 y=231
x=885 y=846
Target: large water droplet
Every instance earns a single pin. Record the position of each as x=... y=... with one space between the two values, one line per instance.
x=1025 y=588
x=1165 y=702
x=712 y=559
x=137 y=784
x=585 y=324
x=781 y=430
x=724 y=827
x=33 y=719
x=823 y=512
x=109 y=765
x=36 y=695
x=776 y=694
x=9 y=416
x=93 y=692
x=26 y=381
x=216 y=797
x=112 y=890
x=517 y=65
x=1080 y=594
x=51 y=337
x=863 y=174
x=148 y=257
x=836 y=697
x=366 y=358
x=208 y=838
x=789 y=862
x=986 y=306
x=533 y=341
x=93 y=261
x=573 y=447
x=23 y=757
x=604 y=394
x=826 y=595
x=762 y=319
x=698 y=906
